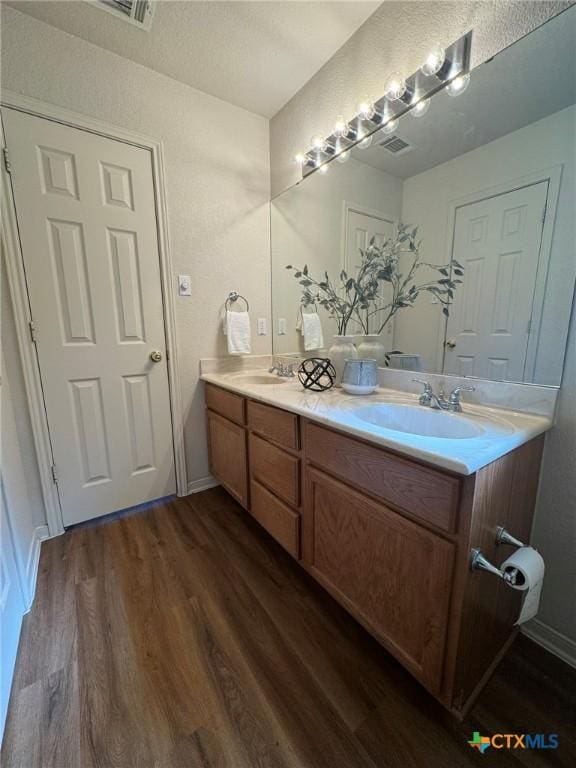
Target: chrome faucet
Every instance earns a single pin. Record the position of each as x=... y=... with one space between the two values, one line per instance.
x=285 y=371
x=439 y=401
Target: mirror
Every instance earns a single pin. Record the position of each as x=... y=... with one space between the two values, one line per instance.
x=484 y=286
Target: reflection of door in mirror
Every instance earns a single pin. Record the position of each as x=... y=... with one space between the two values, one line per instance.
x=498 y=242
x=361 y=226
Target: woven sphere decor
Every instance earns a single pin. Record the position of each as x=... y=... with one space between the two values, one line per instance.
x=317 y=374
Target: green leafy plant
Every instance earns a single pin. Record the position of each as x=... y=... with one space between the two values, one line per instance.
x=359 y=297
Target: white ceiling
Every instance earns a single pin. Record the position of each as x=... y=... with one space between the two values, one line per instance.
x=256 y=55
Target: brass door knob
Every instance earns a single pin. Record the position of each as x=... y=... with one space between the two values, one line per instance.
x=450 y=343
x=155 y=356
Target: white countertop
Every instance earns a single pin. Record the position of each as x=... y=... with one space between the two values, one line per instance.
x=335 y=408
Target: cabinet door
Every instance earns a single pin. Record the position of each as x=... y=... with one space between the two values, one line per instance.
x=228 y=456
x=389 y=572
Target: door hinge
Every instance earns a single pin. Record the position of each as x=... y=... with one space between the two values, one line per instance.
x=54 y=474
x=544 y=212
x=7 y=164
x=32 y=331
x=529 y=326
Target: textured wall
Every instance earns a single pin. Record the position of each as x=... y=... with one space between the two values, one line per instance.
x=217 y=181
x=555 y=525
x=396 y=37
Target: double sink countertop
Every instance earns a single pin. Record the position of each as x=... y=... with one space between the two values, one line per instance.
x=459 y=442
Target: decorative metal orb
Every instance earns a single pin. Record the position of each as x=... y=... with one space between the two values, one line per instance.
x=317 y=374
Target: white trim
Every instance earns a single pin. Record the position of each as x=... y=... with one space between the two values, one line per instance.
x=38 y=536
x=202 y=484
x=552 y=175
x=552 y=640
x=18 y=291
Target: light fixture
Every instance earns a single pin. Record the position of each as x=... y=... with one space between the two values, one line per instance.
x=318 y=143
x=434 y=61
x=343 y=157
x=366 y=109
x=458 y=85
x=366 y=142
x=340 y=127
x=395 y=87
x=420 y=108
x=323 y=168
x=300 y=158
x=390 y=126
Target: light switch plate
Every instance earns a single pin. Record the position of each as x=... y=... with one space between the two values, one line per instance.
x=262 y=329
x=184 y=285
x=281 y=326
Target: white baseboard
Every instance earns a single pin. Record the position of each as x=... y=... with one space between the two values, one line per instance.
x=202 y=484
x=553 y=641
x=40 y=533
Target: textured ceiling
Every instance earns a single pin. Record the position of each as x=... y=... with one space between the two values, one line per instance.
x=256 y=55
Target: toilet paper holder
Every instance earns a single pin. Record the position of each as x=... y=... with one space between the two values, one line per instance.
x=478 y=562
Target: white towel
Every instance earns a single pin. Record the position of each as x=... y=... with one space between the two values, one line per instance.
x=238 y=333
x=312 y=331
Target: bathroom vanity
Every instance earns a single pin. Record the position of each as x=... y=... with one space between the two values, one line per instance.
x=387 y=533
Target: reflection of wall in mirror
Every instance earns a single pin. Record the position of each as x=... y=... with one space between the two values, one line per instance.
x=427 y=198
x=307 y=228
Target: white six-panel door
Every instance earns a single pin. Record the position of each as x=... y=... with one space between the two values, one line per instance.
x=86 y=215
x=498 y=242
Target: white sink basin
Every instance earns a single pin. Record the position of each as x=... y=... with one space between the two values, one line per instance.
x=260 y=378
x=426 y=422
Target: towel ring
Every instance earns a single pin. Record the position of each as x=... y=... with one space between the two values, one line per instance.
x=302 y=309
x=233 y=296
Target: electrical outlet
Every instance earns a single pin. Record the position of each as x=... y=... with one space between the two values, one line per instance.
x=184 y=285
x=262 y=329
x=281 y=326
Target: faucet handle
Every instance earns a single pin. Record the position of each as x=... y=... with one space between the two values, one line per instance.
x=456 y=392
x=427 y=385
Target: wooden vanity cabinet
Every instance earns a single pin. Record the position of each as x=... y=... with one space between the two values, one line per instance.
x=389 y=537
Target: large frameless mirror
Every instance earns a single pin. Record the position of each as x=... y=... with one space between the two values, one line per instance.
x=449 y=241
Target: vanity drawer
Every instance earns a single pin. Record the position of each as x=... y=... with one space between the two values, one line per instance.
x=277 y=470
x=226 y=403
x=279 y=520
x=274 y=423
x=423 y=493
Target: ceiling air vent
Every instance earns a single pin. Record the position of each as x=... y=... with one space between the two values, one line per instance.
x=396 y=146
x=137 y=12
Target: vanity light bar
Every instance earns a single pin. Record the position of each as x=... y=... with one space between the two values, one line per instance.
x=374 y=117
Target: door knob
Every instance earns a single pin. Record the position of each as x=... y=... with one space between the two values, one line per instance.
x=450 y=343
x=155 y=356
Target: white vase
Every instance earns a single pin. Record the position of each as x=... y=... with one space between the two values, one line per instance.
x=342 y=349
x=372 y=347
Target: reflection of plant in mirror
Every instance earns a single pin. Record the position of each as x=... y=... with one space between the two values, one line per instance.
x=359 y=297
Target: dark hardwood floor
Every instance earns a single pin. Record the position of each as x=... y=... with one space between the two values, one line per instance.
x=184 y=637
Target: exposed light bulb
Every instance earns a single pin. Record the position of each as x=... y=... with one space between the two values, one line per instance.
x=458 y=85
x=343 y=156
x=300 y=158
x=365 y=143
x=434 y=61
x=366 y=109
x=395 y=86
x=390 y=126
x=317 y=142
x=420 y=108
x=323 y=168
x=340 y=127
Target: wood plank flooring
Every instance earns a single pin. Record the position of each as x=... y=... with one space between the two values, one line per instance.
x=185 y=637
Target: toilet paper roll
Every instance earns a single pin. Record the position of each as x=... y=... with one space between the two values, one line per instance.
x=524 y=570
